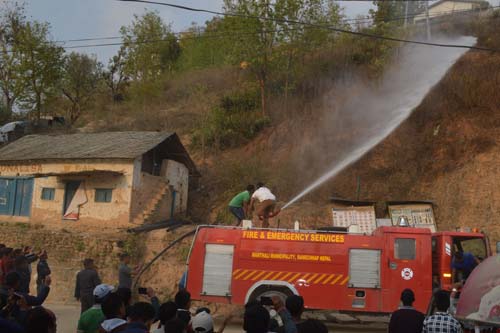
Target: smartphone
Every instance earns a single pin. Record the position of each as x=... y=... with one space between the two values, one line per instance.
x=143 y=291
x=266 y=301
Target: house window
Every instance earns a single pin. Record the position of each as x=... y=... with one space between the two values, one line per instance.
x=48 y=193
x=103 y=194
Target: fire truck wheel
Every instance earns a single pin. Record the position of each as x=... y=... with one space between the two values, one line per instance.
x=270 y=291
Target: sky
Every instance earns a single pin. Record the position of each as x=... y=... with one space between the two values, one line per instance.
x=75 y=19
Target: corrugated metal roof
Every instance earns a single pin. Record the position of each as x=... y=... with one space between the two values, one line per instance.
x=107 y=145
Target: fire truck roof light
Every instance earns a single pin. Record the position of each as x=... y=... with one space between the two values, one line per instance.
x=447 y=275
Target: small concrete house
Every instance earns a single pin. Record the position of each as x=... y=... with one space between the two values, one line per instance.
x=444 y=8
x=103 y=180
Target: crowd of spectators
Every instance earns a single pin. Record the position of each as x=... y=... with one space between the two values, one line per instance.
x=20 y=311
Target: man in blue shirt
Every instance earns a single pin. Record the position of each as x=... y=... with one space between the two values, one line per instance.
x=463 y=263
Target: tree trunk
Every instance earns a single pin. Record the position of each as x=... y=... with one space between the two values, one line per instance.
x=9 y=104
x=38 y=107
x=262 y=83
x=288 y=67
x=75 y=113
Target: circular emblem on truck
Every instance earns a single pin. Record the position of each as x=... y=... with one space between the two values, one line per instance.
x=407 y=273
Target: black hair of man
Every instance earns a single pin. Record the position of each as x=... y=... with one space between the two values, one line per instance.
x=20 y=261
x=251 y=188
x=182 y=299
x=12 y=280
x=2 y=246
x=125 y=294
x=295 y=305
x=175 y=325
x=167 y=312
x=87 y=263
x=39 y=320
x=407 y=297
x=7 y=250
x=256 y=319
x=252 y=303
x=112 y=306
x=141 y=312
x=124 y=255
x=313 y=326
x=203 y=309
x=260 y=184
x=442 y=300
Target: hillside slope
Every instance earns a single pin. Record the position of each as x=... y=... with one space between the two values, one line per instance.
x=447 y=151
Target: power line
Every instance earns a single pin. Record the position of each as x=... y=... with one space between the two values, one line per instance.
x=150 y=41
x=356 y=33
x=245 y=32
x=180 y=33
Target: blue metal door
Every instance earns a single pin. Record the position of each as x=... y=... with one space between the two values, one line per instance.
x=7 y=187
x=24 y=194
x=15 y=196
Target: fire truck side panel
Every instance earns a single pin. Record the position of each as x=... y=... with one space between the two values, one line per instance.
x=318 y=271
x=197 y=262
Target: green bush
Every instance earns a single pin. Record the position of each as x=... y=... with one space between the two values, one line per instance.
x=233 y=122
x=224 y=217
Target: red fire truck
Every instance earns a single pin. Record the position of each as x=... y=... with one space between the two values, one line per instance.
x=330 y=269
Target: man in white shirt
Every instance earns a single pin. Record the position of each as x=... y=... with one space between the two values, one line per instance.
x=264 y=202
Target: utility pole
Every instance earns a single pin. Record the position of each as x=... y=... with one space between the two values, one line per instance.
x=427 y=20
x=406 y=13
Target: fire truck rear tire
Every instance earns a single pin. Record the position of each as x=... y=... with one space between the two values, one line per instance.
x=270 y=291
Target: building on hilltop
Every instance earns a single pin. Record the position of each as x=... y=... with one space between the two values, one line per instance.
x=445 y=8
x=114 y=179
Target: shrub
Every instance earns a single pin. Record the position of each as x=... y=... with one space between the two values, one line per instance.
x=233 y=122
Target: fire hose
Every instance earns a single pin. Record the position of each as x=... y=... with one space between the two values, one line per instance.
x=172 y=244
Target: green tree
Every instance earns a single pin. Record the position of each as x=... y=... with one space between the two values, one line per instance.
x=114 y=75
x=392 y=12
x=296 y=40
x=204 y=46
x=268 y=42
x=12 y=83
x=150 y=48
x=40 y=65
x=80 y=79
x=387 y=11
x=253 y=43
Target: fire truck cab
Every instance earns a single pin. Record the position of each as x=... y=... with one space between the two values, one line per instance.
x=445 y=244
x=330 y=269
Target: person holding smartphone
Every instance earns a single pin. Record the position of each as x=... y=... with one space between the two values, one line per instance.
x=125 y=272
x=14 y=304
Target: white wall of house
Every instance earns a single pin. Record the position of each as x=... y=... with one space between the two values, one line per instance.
x=177 y=176
x=446 y=8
